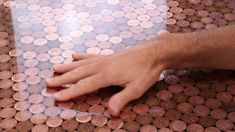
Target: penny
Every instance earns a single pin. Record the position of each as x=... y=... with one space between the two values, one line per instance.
x=20 y=96
x=185 y=107
x=148 y=128
x=97 y=109
x=23 y=115
x=81 y=106
x=201 y=110
x=169 y=104
x=83 y=117
x=115 y=40
x=7 y=113
x=190 y=118
x=207 y=121
x=208 y=93
x=131 y=126
x=93 y=100
x=164 y=95
x=191 y=91
x=152 y=101
x=52 y=111
x=144 y=119
x=55 y=51
x=86 y=127
x=3 y=35
x=38 y=118
x=65 y=38
x=4 y=42
x=56 y=129
x=218 y=114
x=173 y=3
x=224 y=96
x=156 y=111
x=54 y=122
x=5 y=84
x=33 y=80
x=27 y=39
x=40 y=128
x=165 y=130
x=37 y=108
x=173 y=115
x=177 y=125
x=99 y=120
x=7 y=102
x=224 y=124
x=102 y=129
x=212 y=129
x=87 y=28
x=52 y=36
x=231 y=89
x=5 y=74
x=213 y=103
x=32 y=71
x=160 y=122
x=196 y=100
x=70 y=125
x=67 y=114
x=30 y=63
x=35 y=98
x=56 y=59
x=66 y=104
x=231 y=116
x=128 y=116
x=8 y=123
x=176 y=88
x=115 y=124
x=140 y=108
x=24 y=126
x=228 y=106
x=195 y=128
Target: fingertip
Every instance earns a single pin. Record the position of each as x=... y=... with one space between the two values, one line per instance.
x=113 y=111
x=48 y=81
x=114 y=107
x=56 y=67
x=75 y=56
x=59 y=96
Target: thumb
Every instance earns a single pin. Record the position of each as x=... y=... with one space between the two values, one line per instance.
x=119 y=100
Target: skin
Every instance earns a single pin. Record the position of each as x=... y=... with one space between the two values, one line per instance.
x=137 y=68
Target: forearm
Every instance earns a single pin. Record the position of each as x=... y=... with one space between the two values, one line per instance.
x=207 y=49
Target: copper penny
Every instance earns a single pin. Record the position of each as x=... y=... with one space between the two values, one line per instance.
x=99 y=120
x=38 y=118
x=8 y=123
x=67 y=114
x=83 y=117
x=7 y=113
x=23 y=115
x=40 y=128
x=177 y=125
x=37 y=108
x=24 y=126
x=54 y=122
x=195 y=128
x=132 y=126
x=70 y=125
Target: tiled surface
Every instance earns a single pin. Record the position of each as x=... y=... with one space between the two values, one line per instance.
x=36 y=34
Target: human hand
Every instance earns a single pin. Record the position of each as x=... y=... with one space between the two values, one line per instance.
x=135 y=69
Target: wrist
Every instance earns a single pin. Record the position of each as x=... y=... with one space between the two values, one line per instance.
x=174 y=51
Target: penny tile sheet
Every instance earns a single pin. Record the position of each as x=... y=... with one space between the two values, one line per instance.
x=36 y=34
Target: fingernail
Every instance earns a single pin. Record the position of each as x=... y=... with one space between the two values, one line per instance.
x=57 y=95
x=48 y=80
